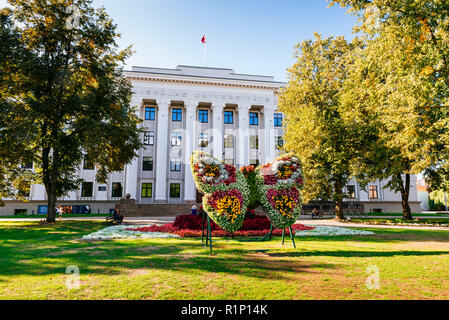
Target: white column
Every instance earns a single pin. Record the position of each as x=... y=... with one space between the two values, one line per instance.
x=132 y=178
x=161 y=149
x=131 y=170
x=190 y=138
x=243 y=135
x=217 y=131
x=270 y=148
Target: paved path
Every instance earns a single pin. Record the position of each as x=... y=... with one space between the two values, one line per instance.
x=333 y=223
x=302 y=219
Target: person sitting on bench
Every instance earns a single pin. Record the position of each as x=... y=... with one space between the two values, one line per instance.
x=116 y=217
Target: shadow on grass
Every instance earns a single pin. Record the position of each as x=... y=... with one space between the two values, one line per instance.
x=346 y=253
x=34 y=249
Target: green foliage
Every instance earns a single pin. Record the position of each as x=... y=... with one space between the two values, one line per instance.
x=399 y=83
x=250 y=175
x=316 y=128
x=63 y=94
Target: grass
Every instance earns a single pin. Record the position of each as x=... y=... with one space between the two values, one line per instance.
x=43 y=216
x=413 y=264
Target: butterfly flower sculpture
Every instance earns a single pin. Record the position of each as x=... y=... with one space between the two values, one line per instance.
x=227 y=192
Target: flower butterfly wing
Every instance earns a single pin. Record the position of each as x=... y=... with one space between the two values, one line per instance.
x=279 y=184
x=225 y=190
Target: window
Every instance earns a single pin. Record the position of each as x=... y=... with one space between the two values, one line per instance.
x=18 y=212
x=117 y=190
x=175 y=164
x=27 y=165
x=176 y=139
x=229 y=161
x=147 y=164
x=87 y=189
x=373 y=192
x=203 y=141
x=228 y=117
x=254 y=142
x=279 y=141
x=88 y=164
x=203 y=116
x=147 y=190
x=176 y=114
x=24 y=188
x=229 y=141
x=148 y=138
x=175 y=190
x=278 y=119
x=350 y=192
x=254 y=162
x=150 y=113
x=254 y=118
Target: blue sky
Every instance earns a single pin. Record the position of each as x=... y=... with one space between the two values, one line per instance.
x=249 y=36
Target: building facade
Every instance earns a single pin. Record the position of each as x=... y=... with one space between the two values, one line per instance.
x=232 y=116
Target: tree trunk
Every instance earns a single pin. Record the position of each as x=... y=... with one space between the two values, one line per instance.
x=339 y=215
x=405 y=192
x=51 y=194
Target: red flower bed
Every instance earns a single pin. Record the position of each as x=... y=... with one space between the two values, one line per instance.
x=189 y=226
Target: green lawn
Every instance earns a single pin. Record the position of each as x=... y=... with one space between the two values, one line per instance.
x=34 y=257
x=81 y=215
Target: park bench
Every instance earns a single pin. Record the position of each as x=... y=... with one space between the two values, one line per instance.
x=114 y=220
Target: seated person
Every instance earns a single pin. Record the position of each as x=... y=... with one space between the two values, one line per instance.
x=117 y=216
x=194 y=210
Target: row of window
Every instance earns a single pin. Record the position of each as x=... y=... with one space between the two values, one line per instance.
x=372 y=192
x=87 y=189
x=203 y=116
x=203 y=140
x=147 y=190
x=175 y=165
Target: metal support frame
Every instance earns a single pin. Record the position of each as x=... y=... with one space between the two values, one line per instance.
x=269 y=235
x=208 y=231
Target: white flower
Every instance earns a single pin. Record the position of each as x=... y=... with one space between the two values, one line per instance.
x=331 y=231
x=120 y=232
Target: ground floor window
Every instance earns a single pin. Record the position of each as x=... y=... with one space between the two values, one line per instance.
x=373 y=192
x=147 y=190
x=175 y=190
x=87 y=189
x=117 y=190
x=18 y=212
x=254 y=162
x=350 y=192
x=279 y=141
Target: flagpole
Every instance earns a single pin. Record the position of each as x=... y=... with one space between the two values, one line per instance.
x=204 y=55
x=204 y=41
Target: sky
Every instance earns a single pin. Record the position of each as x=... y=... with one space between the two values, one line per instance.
x=249 y=36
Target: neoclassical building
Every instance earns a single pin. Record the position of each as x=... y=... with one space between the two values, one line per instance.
x=232 y=116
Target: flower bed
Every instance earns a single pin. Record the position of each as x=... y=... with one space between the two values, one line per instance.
x=126 y=232
x=189 y=233
x=332 y=231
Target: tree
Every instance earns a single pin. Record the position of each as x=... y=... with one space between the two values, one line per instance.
x=12 y=154
x=401 y=80
x=315 y=127
x=65 y=93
